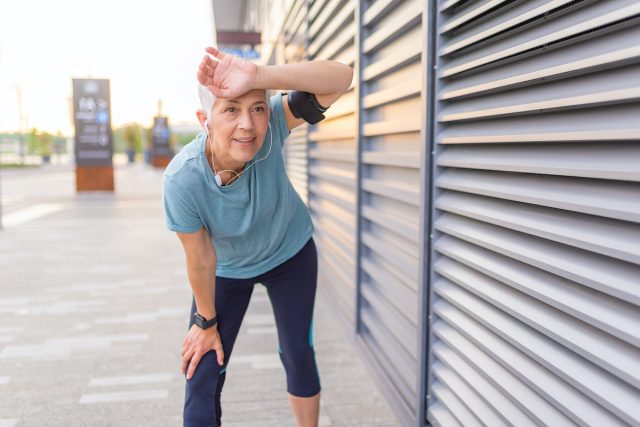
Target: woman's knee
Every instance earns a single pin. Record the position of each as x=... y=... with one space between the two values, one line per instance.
x=303 y=379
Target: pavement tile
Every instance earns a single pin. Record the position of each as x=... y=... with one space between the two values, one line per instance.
x=94 y=305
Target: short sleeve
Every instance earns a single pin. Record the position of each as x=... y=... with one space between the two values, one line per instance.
x=179 y=209
x=278 y=119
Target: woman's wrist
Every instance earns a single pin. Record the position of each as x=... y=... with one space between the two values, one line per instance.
x=265 y=78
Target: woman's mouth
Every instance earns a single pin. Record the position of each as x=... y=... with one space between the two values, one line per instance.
x=244 y=141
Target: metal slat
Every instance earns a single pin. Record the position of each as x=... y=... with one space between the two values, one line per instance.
x=392 y=191
x=316 y=8
x=332 y=212
x=378 y=10
x=327 y=282
x=611 y=315
x=397 y=23
x=509 y=413
x=604 y=198
x=454 y=412
x=334 y=175
x=323 y=14
x=476 y=319
x=581 y=347
x=299 y=18
x=557 y=39
x=616 y=278
x=571 y=136
x=403 y=332
x=329 y=135
x=472 y=15
x=611 y=199
x=508 y=21
x=391 y=223
x=339 y=231
x=341 y=274
x=402 y=366
x=398 y=159
x=383 y=261
x=392 y=62
x=400 y=296
x=527 y=400
x=341 y=19
x=448 y=5
x=600 y=235
x=339 y=42
x=558 y=104
x=407 y=262
x=475 y=404
x=375 y=344
x=332 y=154
x=396 y=93
x=607 y=60
x=392 y=127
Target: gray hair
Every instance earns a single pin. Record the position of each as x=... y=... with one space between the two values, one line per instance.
x=206 y=100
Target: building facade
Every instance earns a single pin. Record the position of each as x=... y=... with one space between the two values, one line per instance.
x=476 y=198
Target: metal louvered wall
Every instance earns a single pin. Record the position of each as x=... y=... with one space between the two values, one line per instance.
x=391 y=149
x=536 y=284
x=517 y=255
x=332 y=160
x=293 y=43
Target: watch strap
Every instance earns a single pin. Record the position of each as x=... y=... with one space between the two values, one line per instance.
x=203 y=323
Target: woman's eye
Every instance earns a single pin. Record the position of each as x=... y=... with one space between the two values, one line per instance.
x=261 y=109
x=229 y=109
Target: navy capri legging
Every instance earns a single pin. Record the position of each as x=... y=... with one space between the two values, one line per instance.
x=291 y=288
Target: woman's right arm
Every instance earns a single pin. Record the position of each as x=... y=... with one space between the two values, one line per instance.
x=201 y=270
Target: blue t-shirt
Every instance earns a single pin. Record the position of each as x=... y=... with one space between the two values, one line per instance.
x=255 y=224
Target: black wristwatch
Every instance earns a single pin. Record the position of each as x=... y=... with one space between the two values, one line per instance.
x=203 y=323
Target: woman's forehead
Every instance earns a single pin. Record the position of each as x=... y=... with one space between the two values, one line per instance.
x=250 y=98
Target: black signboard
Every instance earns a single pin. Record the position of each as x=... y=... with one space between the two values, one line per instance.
x=160 y=131
x=92 y=120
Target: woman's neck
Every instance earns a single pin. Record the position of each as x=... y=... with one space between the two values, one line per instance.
x=219 y=163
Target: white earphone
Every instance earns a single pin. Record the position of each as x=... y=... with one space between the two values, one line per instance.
x=217 y=177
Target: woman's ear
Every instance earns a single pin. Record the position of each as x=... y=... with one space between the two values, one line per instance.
x=202 y=119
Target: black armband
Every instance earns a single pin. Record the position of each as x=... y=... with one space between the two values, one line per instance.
x=305 y=105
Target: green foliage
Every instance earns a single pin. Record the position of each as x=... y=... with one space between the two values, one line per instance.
x=32 y=142
x=182 y=139
x=39 y=143
x=128 y=137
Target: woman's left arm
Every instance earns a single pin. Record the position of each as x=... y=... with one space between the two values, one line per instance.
x=327 y=80
x=229 y=76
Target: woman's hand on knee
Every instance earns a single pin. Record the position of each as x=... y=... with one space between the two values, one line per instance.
x=197 y=343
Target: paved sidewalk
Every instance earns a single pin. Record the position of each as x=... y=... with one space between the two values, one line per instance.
x=94 y=305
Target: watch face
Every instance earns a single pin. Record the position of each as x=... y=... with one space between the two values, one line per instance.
x=199 y=320
x=202 y=322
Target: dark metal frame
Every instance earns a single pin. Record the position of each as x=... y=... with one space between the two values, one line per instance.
x=427 y=211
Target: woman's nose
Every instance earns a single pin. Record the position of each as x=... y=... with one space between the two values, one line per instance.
x=246 y=121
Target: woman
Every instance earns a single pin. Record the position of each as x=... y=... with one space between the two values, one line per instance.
x=228 y=198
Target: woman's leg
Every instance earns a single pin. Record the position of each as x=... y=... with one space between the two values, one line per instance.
x=203 y=390
x=292 y=288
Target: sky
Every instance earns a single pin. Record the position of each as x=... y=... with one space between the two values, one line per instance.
x=149 y=49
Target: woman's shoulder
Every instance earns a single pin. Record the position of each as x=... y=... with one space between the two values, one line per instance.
x=186 y=160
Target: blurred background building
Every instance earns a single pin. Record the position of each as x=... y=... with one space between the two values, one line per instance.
x=476 y=199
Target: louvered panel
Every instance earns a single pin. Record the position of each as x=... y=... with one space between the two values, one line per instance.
x=390 y=156
x=295 y=152
x=332 y=158
x=535 y=307
x=296 y=147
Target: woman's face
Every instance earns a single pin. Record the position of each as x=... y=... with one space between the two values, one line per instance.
x=239 y=127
